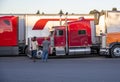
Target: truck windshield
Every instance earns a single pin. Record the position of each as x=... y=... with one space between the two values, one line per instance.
x=51 y=33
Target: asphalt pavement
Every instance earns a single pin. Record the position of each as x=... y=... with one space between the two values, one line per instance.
x=87 y=69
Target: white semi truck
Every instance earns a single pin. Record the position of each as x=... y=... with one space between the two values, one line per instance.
x=109 y=30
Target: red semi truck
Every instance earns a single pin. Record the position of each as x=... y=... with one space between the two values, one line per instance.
x=75 y=37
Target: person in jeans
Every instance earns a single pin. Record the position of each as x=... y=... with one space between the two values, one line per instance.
x=34 y=47
x=45 y=45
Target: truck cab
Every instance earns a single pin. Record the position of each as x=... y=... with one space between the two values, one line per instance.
x=73 y=38
x=9 y=35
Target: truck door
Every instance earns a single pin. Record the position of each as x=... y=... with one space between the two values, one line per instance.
x=60 y=38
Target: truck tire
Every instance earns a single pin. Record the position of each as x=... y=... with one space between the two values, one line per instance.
x=115 y=51
x=39 y=53
x=28 y=52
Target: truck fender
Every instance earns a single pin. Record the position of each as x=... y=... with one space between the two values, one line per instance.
x=113 y=44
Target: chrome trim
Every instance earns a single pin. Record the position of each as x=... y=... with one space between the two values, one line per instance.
x=80 y=50
x=60 y=51
x=104 y=51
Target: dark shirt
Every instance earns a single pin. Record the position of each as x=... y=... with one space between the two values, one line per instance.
x=45 y=45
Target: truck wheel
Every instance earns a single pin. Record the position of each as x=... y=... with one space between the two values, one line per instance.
x=28 y=52
x=39 y=53
x=115 y=51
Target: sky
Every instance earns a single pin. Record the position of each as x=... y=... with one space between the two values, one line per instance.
x=54 y=6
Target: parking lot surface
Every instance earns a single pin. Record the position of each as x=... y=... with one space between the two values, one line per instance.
x=88 y=69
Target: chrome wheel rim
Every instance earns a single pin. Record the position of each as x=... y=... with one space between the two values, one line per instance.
x=116 y=51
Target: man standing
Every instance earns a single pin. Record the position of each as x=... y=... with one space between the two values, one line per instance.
x=34 y=47
x=45 y=45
